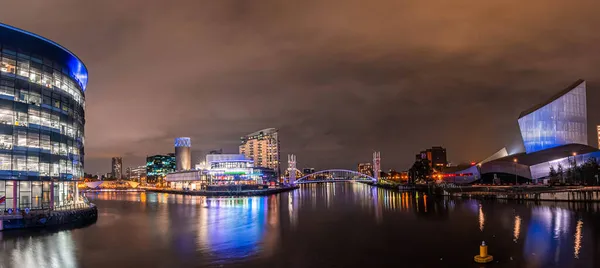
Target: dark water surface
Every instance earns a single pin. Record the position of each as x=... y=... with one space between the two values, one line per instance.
x=325 y=225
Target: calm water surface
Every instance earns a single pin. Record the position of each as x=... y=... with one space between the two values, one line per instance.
x=325 y=225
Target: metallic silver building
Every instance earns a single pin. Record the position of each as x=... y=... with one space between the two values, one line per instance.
x=183 y=153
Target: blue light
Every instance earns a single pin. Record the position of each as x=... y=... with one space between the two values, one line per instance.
x=183 y=142
x=561 y=121
x=77 y=69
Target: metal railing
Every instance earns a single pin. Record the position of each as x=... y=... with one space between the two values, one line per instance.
x=70 y=205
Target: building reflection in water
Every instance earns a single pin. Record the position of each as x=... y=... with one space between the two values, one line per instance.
x=230 y=229
x=517 y=228
x=236 y=228
x=481 y=218
x=578 y=236
x=56 y=250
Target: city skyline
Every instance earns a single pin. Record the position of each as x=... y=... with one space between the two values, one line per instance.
x=331 y=90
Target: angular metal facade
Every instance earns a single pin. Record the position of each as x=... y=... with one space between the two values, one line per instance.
x=559 y=121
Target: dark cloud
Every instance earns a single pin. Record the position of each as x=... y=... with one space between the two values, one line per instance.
x=338 y=78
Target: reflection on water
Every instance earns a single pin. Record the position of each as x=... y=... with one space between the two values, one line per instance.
x=167 y=230
x=517 y=228
x=578 y=238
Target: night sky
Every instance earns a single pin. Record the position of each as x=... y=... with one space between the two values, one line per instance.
x=338 y=79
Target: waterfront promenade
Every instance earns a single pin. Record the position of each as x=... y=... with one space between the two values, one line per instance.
x=521 y=192
x=257 y=192
x=69 y=215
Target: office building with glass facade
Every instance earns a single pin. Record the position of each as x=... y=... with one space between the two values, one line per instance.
x=42 y=119
x=158 y=166
x=222 y=169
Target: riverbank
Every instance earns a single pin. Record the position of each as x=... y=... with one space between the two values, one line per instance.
x=112 y=190
x=78 y=215
x=532 y=193
x=569 y=194
x=259 y=192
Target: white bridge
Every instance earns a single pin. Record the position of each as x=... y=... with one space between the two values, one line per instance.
x=334 y=175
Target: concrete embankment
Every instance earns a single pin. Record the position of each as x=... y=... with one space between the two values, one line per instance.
x=75 y=216
x=570 y=195
x=533 y=193
x=259 y=192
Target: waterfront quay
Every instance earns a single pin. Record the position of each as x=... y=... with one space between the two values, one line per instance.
x=76 y=214
x=522 y=192
x=226 y=191
x=534 y=193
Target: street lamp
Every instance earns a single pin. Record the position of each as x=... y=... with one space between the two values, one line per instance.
x=516 y=177
x=574 y=167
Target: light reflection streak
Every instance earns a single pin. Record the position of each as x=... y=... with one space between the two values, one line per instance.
x=481 y=218
x=32 y=252
x=578 y=236
x=517 y=229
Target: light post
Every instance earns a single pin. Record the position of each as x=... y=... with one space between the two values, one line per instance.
x=516 y=177
x=573 y=169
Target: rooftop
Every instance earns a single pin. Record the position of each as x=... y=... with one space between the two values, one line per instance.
x=551 y=99
x=548 y=154
x=14 y=36
x=264 y=131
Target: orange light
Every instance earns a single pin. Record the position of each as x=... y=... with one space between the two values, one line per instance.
x=515 y=160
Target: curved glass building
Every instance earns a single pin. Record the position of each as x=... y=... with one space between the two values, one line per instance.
x=42 y=118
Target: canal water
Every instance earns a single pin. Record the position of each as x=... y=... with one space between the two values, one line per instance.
x=321 y=225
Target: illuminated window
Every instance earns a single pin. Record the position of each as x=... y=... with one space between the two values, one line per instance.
x=8 y=65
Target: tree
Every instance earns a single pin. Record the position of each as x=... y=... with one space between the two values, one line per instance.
x=553 y=175
x=589 y=170
x=420 y=170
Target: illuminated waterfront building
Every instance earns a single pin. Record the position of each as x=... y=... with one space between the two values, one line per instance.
x=42 y=105
x=436 y=157
x=262 y=147
x=233 y=169
x=222 y=169
x=554 y=135
x=136 y=173
x=560 y=120
x=158 y=166
x=365 y=168
x=183 y=153
x=117 y=168
x=598 y=130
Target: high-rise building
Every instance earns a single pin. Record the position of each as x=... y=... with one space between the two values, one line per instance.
x=136 y=173
x=598 y=130
x=262 y=147
x=436 y=157
x=183 y=153
x=365 y=168
x=117 y=168
x=560 y=120
x=158 y=166
x=42 y=95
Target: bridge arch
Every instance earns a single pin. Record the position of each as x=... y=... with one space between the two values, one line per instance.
x=332 y=175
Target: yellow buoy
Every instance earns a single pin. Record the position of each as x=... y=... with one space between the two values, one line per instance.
x=483 y=256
